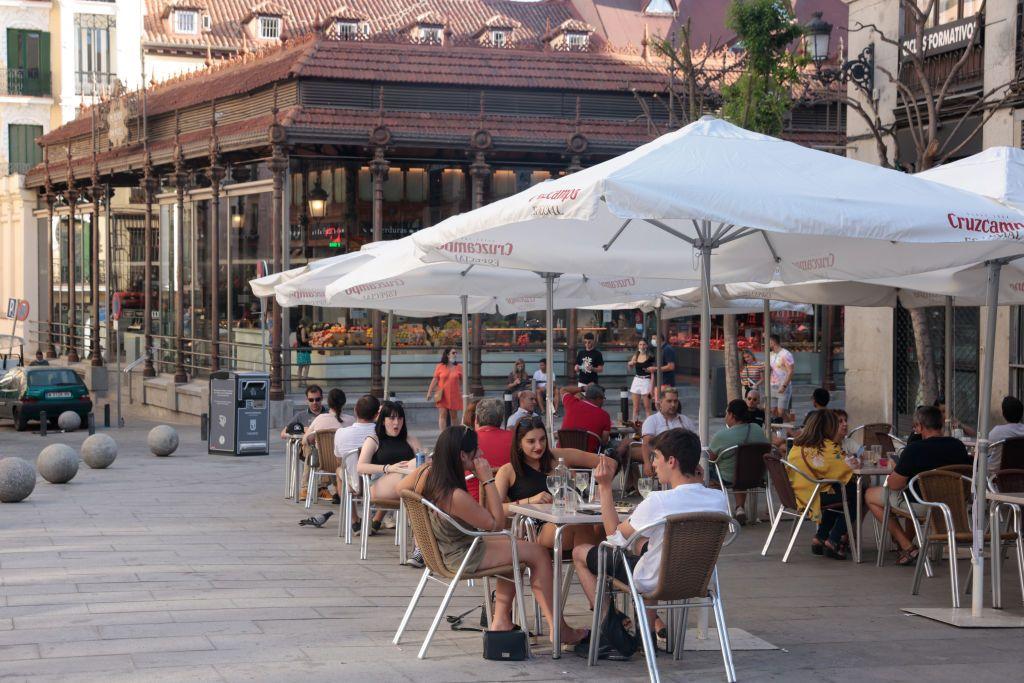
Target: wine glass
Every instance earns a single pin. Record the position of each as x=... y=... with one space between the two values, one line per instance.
x=645 y=485
x=554 y=483
x=582 y=481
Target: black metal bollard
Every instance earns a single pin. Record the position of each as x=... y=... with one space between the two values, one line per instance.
x=624 y=404
x=106 y=416
x=44 y=422
x=204 y=426
x=90 y=419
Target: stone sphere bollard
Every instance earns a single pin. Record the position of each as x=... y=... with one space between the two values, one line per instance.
x=58 y=463
x=17 y=480
x=69 y=421
x=98 y=451
x=162 y=440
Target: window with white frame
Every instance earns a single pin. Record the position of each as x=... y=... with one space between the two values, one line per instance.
x=431 y=34
x=270 y=28
x=499 y=37
x=186 y=21
x=94 y=53
x=347 y=29
x=576 y=40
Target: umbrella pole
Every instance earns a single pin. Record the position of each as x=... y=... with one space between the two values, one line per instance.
x=704 y=415
x=766 y=375
x=657 y=352
x=549 y=349
x=387 y=358
x=948 y=379
x=465 y=350
x=981 y=456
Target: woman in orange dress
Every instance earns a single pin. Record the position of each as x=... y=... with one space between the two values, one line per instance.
x=447 y=381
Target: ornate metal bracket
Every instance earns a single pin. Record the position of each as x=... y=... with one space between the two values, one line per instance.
x=859 y=71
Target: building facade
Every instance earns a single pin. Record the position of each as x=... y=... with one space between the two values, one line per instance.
x=59 y=54
x=983 y=107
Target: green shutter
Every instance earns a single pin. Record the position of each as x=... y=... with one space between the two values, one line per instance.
x=12 y=60
x=23 y=152
x=44 y=64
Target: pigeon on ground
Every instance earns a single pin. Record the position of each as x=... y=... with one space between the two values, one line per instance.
x=317 y=520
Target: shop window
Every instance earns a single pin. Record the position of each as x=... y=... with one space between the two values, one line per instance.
x=503 y=184
x=417 y=185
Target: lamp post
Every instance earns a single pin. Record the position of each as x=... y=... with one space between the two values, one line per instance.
x=859 y=71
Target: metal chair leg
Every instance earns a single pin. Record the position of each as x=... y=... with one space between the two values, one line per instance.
x=595 y=627
x=488 y=607
x=650 y=652
x=517 y=577
x=412 y=605
x=1019 y=543
x=680 y=632
x=364 y=526
x=567 y=583
x=953 y=575
x=919 y=569
x=443 y=607
x=771 y=534
x=310 y=490
x=796 y=532
x=723 y=638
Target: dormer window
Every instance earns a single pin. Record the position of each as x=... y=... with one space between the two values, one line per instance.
x=499 y=37
x=270 y=28
x=660 y=7
x=576 y=40
x=186 y=21
x=351 y=29
x=433 y=35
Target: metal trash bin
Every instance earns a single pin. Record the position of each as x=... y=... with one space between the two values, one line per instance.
x=239 y=413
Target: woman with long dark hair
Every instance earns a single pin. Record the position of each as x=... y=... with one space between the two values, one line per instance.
x=447 y=381
x=389 y=447
x=524 y=478
x=817 y=452
x=444 y=484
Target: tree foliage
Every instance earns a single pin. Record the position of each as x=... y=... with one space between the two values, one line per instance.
x=759 y=99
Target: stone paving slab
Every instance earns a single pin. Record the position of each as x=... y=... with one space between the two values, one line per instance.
x=193 y=568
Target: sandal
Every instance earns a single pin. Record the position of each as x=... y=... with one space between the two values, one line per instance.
x=817 y=547
x=832 y=551
x=908 y=558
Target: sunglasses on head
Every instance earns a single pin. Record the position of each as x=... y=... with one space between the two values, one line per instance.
x=530 y=422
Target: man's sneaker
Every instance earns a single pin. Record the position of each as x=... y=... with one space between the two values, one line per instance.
x=740 y=515
x=389 y=521
x=416 y=560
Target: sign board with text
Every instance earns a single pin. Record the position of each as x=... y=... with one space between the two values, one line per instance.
x=945 y=38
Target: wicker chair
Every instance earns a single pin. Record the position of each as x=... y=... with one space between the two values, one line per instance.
x=419 y=511
x=869 y=437
x=1008 y=481
x=778 y=472
x=1011 y=453
x=749 y=474
x=942 y=492
x=579 y=438
x=322 y=463
x=687 y=578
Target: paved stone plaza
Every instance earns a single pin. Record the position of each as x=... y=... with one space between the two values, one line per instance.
x=193 y=567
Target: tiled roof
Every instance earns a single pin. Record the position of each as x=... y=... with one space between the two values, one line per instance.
x=321 y=57
x=386 y=18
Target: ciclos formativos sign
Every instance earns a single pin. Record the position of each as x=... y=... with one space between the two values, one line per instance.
x=945 y=38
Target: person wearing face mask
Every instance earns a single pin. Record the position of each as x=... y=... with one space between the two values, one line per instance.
x=390 y=446
x=446 y=389
x=443 y=483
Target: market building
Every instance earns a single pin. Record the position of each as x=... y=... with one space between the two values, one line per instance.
x=312 y=141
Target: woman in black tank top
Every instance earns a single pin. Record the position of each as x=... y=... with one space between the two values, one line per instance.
x=390 y=445
x=524 y=479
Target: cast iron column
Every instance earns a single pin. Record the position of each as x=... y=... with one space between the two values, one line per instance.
x=96 y=356
x=51 y=350
x=479 y=170
x=216 y=176
x=149 y=188
x=180 y=180
x=278 y=169
x=379 y=174
x=72 y=196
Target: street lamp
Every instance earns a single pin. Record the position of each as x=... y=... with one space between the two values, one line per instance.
x=859 y=71
x=318 y=201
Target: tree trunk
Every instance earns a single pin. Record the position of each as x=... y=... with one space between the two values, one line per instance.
x=732 y=361
x=927 y=370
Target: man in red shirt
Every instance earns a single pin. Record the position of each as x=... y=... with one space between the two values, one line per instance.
x=586 y=413
x=495 y=442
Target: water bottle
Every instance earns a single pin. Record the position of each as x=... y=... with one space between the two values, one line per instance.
x=566 y=478
x=421 y=458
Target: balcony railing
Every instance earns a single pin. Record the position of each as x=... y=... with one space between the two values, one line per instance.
x=25 y=82
x=93 y=82
x=936 y=69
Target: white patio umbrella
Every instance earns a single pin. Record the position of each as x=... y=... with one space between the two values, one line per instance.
x=396 y=272
x=768 y=209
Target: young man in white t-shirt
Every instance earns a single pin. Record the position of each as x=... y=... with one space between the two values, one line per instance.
x=677 y=465
x=782 y=366
x=540 y=381
x=351 y=438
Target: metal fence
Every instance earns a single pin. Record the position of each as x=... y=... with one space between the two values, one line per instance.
x=908 y=389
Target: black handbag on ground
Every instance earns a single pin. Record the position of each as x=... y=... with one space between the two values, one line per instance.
x=505 y=646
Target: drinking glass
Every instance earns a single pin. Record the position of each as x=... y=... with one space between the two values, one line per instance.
x=876 y=454
x=582 y=481
x=645 y=485
x=554 y=484
x=958 y=433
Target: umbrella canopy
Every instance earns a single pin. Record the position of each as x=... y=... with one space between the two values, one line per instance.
x=998 y=173
x=770 y=209
x=396 y=272
x=267 y=285
x=687 y=302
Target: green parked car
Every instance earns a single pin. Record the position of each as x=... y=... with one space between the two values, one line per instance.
x=25 y=392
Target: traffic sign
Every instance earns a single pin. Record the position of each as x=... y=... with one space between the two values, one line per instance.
x=22 y=312
x=116 y=307
x=12 y=307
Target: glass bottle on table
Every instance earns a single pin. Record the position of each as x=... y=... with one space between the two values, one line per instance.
x=566 y=482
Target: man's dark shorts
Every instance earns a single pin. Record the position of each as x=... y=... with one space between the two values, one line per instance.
x=618 y=570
